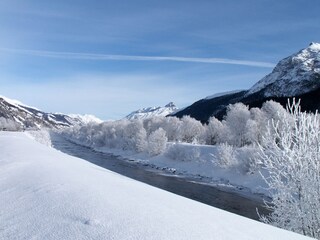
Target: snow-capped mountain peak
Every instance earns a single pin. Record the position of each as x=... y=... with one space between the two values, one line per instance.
x=16 y=103
x=15 y=115
x=294 y=75
x=152 y=112
x=314 y=46
x=170 y=105
x=85 y=119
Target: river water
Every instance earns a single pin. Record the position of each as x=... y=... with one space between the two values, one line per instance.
x=211 y=195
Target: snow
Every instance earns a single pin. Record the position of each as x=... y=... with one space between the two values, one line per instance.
x=222 y=94
x=152 y=112
x=196 y=161
x=314 y=46
x=86 y=118
x=42 y=136
x=17 y=103
x=39 y=118
x=294 y=75
x=46 y=194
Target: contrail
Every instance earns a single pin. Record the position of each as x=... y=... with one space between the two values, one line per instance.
x=111 y=57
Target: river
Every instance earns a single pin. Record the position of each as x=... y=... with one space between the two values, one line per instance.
x=211 y=195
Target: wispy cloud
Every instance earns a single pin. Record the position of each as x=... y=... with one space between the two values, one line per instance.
x=111 y=57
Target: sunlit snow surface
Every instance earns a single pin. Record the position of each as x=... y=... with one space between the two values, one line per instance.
x=220 y=94
x=86 y=118
x=153 y=112
x=294 y=75
x=17 y=103
x=46 y=194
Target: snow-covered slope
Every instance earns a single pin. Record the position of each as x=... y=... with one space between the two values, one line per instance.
x=85 y=119
x=294 y=75
x=221 y=94
x=24 y=116
x=46 y=194
x=153 y=112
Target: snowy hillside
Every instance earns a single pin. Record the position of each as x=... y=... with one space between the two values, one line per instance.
x=221 y=94
x=84 y=119
x=153 y=112
x=294 y=75
x=46 y=194
x=17 y=115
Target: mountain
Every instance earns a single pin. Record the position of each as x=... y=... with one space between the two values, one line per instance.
x=78 y=119
x=295 y=76
x=153 y=112
x=203 y=109
x=17 y=115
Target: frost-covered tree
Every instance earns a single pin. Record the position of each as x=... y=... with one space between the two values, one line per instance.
x=190 y=130
x=98 y=133
x=111 y=134
x=117 y=134
x=153 y=123
x=135 y=136
x=274 y=111
x=9 y=124
x=172 y=127
x=235 y=121
x=214 y=131
x=183 y=152
x=291 y=155
x=157 y=141
x=252 y=132
x=256 y=125
x=225 y=156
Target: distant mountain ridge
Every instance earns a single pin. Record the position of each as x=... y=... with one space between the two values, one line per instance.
x=295 y=76
x=29 y=117
x=153 y=112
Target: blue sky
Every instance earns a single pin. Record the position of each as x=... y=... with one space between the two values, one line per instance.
x=109 y=58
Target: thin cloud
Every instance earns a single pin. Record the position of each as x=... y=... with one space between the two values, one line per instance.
x=111 y=57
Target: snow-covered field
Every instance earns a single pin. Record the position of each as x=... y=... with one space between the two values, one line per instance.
x=46 y=194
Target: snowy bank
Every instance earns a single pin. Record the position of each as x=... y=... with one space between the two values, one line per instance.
x=203 y=164
x=46 y=194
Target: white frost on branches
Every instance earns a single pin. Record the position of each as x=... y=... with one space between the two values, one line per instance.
x=157 y=141
x=289 y=141
x=291 y=154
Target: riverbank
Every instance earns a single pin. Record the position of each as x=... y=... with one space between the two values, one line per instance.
x=227 y=197
x=46 y=194
x=220 y=166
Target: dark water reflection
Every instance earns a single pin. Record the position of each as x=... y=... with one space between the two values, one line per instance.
x=207 y=194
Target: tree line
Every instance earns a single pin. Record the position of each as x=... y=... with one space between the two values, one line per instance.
x=286 y=142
